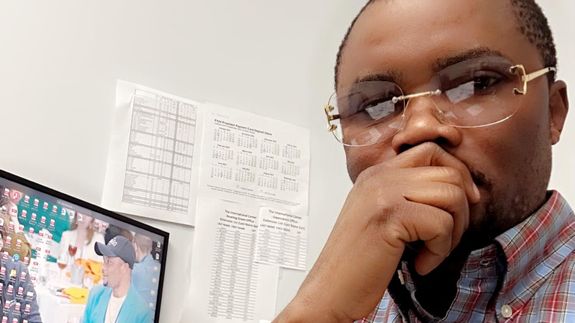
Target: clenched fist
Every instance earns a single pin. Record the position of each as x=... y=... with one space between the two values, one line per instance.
x=422 y=194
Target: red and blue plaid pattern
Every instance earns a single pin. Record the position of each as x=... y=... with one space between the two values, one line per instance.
x=538 y=286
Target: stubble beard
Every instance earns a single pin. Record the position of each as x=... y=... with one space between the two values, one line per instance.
x=499 y=210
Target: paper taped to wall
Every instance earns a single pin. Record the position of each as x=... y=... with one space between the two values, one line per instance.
x=253 y=171
x=226 y=284
x=241 y=179
x=281 y=239
x=152 y=167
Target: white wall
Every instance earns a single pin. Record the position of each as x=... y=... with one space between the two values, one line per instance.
x=59 y=62
x=561 y=15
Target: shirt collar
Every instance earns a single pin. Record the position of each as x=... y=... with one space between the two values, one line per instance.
x=515 y=254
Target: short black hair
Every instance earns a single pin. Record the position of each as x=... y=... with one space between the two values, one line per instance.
x=532 y=23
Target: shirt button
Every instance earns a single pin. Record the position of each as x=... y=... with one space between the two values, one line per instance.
x=484 y=263
x=506 y=311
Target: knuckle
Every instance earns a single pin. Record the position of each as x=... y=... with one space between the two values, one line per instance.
x=365 y=175
x=452 y=173
x=389 y=213
x=371 y=177
x=393 y=236
x=453 y=193
x=445 y=224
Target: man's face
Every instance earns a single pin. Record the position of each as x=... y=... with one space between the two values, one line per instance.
x=114 y=270
x=510 y=162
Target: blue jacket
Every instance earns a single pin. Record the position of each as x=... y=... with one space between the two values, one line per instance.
x=133 y=310
x=145 y=279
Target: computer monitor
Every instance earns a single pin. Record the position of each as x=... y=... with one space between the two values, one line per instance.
x=65 y=260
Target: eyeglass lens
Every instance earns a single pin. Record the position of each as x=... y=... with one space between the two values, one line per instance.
x=474 y=93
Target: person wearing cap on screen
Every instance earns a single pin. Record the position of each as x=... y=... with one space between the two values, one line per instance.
x=117 y=300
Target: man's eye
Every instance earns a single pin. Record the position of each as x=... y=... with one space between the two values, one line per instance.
x=381 y=109
x=484 y=83
x=481 y=84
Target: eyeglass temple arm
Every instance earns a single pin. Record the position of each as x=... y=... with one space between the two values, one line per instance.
x=330 y=117
x=526 y=78
x=396 y=99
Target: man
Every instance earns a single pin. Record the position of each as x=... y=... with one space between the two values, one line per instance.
x=448 y=110
x=146 y=273
x=117 y=300
x=17 y=294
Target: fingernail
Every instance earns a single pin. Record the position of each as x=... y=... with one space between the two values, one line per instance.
x=476 y=191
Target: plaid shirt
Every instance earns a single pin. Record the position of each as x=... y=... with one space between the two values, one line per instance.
x=533 y=263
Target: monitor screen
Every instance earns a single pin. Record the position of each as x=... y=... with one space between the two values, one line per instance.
x=65 y=260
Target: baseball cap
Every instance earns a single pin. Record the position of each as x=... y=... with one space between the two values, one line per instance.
x=118 y=246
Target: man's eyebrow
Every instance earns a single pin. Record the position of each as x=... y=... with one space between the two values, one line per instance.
x=444 y=62
x=389 y=76
x=438 y=65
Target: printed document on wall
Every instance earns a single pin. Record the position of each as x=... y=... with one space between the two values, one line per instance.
x=226 y=284
x=281 y=239
x=151 y=169
x=255 y=160
x=264 y=163
x=251 y=216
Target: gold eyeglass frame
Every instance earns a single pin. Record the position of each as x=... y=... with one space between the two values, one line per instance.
x=518 y=69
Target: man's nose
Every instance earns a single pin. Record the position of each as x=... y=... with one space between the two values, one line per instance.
x=423 y=122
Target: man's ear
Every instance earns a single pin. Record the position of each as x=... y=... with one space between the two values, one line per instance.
x=558 y=107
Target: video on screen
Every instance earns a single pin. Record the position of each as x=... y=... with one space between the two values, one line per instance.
x=60 y=262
